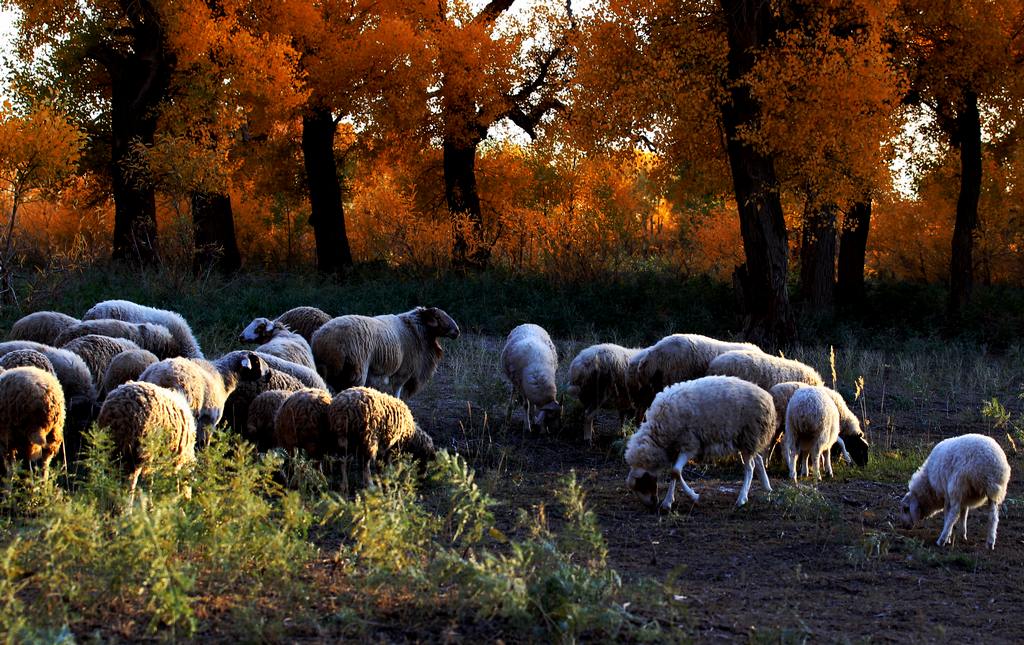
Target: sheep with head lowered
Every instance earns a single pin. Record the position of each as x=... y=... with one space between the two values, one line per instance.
x=852 y=441
x=304 y=321
x=301 y=423
x=149 y=336
x=812 y=427
x=97 y=352
x=31 y=417
x=236 y=409
x=393 y=353
x=959 y=474
x=673 y=359
x=529 y=361
x=259 y=427
x=374 y=424
x=135 y=410
x=308 y=377
x=27 y=358
x=41 y=327
x=128 y=311
x=126 y=366
x=277 y=340
x=597 y=377
x=713 y=416
x=762 y=369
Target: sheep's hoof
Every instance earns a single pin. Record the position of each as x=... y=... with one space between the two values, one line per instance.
x=665 y=508
x=741 y=502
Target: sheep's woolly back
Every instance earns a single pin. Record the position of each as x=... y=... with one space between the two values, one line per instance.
x=597 y=376
x=126 y=366
x=302 y=423
x=27 y=358
x=304 y=321
x=97 y=352
x=135 y=409
x=260 y=426
x=373 y=421
x=712 y=416
x=971 y=466
x=529 y=360
x=72 y=372
x=236 y=409
x=182 y=375
x=31 y=414
x=763 y=369
x=149 y=336
x=187 y=345
x=277 y=340
x=781 y=394
x=812 y=419
x=41 y=327
x=305 y=375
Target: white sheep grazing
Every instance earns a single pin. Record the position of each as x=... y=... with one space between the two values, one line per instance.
x=41 y=327
x=713 y=416
x=961 y=473
x=304 y=321
x=673 y=359
x=187 y=345
x=597 y=377
x=392 y=353
x=529 y=361
x=277 y=340
x=31 y=417
x=763 y=369
x=852 y=441
x=812 y=427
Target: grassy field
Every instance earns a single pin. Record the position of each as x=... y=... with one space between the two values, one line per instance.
x=529 y=538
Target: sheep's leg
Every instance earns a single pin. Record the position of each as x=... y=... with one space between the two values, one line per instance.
x=670 y=496
x=748 y=476
x=963 y=521
x=842 y=446
x=952 y=514
x=527 y=426
x=588 y=426
x=677 y=476
x=828 y=463
x=791 y=458
x=807 y=464
x=344 y=475
x=993 y=524
x=368 y=473
x=762 y=473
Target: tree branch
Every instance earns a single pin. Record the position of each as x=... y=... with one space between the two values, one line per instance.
x=490 y=13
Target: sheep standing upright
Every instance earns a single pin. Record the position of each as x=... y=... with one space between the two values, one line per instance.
x=763 y=369
x=959 y=474
x=597 y=377
x=714 y=416
x=304 y=321
x=31 y=417
x=301 y=423
x=277 y=340
x=812 y=427
x=852 y=441
x=186 y=343
x=392 y=353
x=529 y=361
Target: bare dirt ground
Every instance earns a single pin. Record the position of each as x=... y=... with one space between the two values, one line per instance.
x=788 y=567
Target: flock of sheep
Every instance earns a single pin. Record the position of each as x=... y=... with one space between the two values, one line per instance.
x=333 y=386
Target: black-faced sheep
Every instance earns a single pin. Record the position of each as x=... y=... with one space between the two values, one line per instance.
x=97 y=352
x=124 y=367
x=763 y=369
x=236 y=410
x=41 y=327
x=307 y=376
x=277 y=340
x=134 y=410
x=714 y=416
x=187 y=345
x=597 y=377
x=149 y=336
x=31 y=417
x=304 y=321
x=393 y=353
x=961 y=473
x=529 y=361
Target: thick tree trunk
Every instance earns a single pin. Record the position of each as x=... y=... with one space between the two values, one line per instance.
x=818 y=259
x=762 y=280
x=327 y=217
x=853 y=243
x=213 y=228
x=469 y=249
x=961 y=265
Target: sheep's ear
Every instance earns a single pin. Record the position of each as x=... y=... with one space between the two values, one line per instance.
x=251 y=366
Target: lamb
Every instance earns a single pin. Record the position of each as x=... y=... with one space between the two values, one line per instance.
x=236 y=409
x=41 y=327
x=129 y=311
x=205 y=385
x=27 y=358
x=307 y=376
x=304 y=321
x=961 y=473
x=852 y=441
x=150 y=336
x=597 y=377
x=763 y=369
x=277 y=339
x=529 y=360
x=302 y=423
x=394 y=353
x=674 y=358
x=713 y=416
x=97 y=352
x=812 y=427
x=32 y=417
x=134 y=410
x=126 y=366
x=376 y=424
x=259 y=428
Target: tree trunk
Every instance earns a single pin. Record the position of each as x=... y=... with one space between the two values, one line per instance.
x=818 y=259
x=961 y=265
x=213 y=228
x=327 y=216
x=469 y=249
x=853 y=243
x=762 y=280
